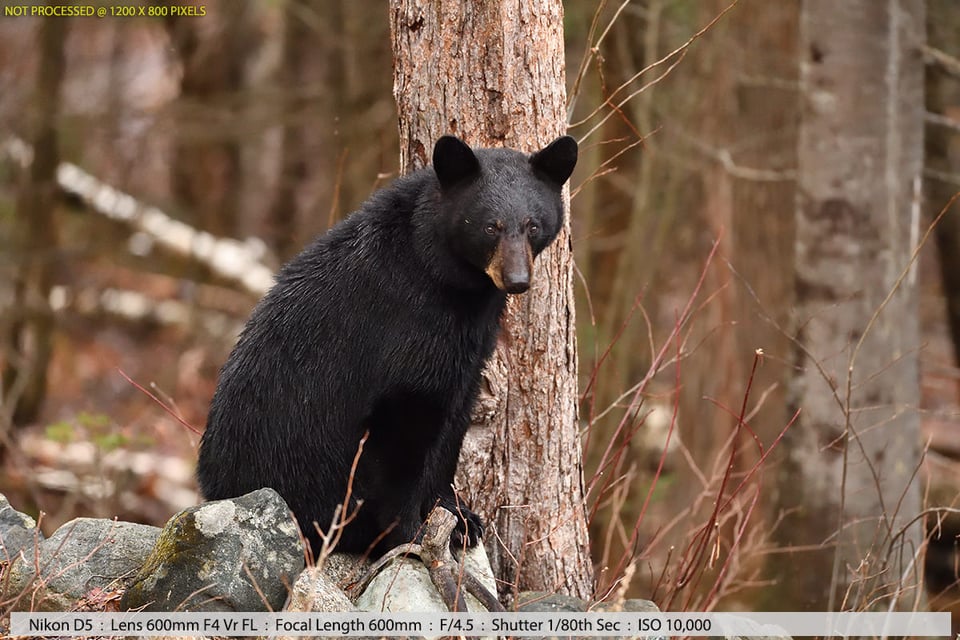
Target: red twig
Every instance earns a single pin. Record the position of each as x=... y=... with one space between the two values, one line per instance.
x=169 y=410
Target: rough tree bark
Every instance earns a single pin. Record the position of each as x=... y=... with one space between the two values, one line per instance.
x=493 y=73
x=856 y=446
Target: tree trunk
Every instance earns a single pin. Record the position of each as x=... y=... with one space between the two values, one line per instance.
x=942 y=181
x=30 y=334
x=207 y=171
x=282 y=229
x=943 y=156
x=854 y=451
x=493 y=73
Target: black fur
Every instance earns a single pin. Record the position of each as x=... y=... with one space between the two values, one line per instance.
x=382 y=325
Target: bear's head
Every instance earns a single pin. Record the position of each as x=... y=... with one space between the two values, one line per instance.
x=500 y=207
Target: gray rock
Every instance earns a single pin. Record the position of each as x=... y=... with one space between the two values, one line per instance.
x=314 y=591
x=82 y=555
x=405 y=585
x=757 y=632
x=543 y=602
x=345 y=569
x=639 y=606
x=17 y=531
x=221 y=556
x=540 y=601
x=636 y=605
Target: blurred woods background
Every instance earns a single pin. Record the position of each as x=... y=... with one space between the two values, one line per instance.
x=266 y=122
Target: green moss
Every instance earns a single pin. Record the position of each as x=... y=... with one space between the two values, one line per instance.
x=62 y=431
x=172 y=552
x=99 y=428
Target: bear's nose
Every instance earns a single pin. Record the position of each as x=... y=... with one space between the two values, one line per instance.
x=512 y=262
x=517 y=286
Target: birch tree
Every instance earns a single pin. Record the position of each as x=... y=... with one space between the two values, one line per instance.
x=849 y=487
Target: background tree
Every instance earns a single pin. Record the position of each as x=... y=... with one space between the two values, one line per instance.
x=207 y=164
x=849 y=483
x=28 y=341
x=942 y=144
x=493 y=73
x=941 y=182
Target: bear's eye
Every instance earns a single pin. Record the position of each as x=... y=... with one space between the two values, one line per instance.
x=533 y=228
x=490 y=229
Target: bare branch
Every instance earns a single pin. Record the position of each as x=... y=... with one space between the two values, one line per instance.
x=231 y=259
x=941 y=60
x=942 y=120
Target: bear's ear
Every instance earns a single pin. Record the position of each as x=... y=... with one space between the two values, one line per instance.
x=557 y=160
x=454 y=161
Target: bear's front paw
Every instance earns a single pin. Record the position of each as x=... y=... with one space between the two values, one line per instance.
x=469 y=527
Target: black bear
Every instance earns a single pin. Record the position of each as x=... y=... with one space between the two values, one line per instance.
x=382 y=326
